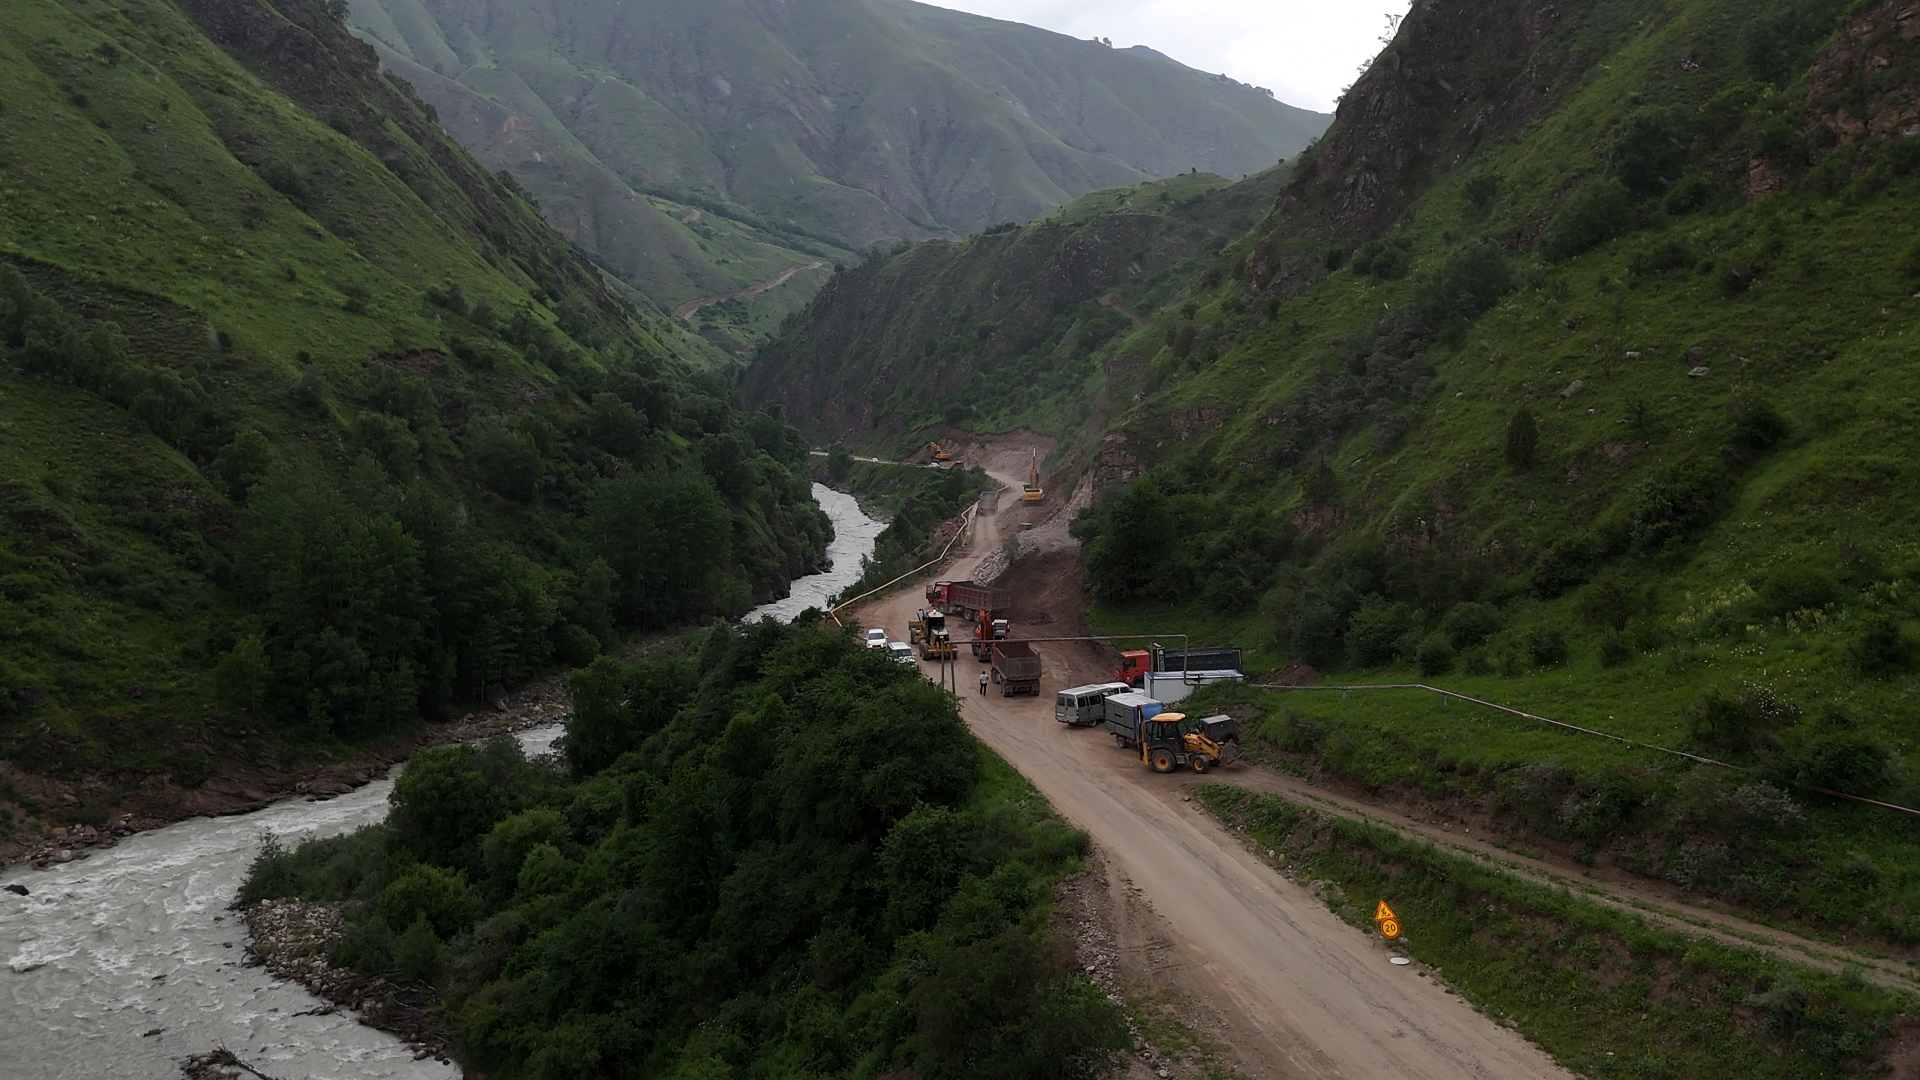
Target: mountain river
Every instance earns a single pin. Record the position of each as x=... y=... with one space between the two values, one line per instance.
x=125 y=963
x=853 y=536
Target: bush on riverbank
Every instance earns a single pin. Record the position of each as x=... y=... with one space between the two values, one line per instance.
x=809 y=867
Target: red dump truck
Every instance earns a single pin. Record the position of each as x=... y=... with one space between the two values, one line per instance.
x=966 y=599
x=1135 y=663
x=1016 y=667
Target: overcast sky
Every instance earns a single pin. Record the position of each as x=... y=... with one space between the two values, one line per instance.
x=1305 y=51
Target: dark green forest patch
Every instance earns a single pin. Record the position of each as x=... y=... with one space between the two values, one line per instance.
x=775 y=853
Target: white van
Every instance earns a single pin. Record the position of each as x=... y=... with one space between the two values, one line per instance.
x=1085 y=706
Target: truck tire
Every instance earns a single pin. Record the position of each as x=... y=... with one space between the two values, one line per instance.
x=1119 y=740
x=1200 y=762
x=1161 y=760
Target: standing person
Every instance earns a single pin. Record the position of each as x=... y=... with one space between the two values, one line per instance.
x=983 y=682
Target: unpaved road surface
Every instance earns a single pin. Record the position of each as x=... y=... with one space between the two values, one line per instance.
x=1314 y=997
x=692 y=307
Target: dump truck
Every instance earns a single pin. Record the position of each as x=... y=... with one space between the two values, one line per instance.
x=1085 y=706
x=1172 y=686
x=966 y=599
x=1135 y=663
x=1125 y=713
x=928 y=632
x=1172 y=740
x=1016 y=667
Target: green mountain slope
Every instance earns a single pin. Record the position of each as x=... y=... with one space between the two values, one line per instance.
x=311 y=425
x=1569 y=370
x=806 y=132
x=1004 y=330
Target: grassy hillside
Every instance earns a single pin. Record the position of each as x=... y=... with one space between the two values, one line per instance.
x=1005 y=330
x=699 y=148
x=312 y=426
x=1568 y=369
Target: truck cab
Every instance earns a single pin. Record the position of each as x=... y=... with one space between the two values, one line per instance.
x=1133 y=666
x=985 y=632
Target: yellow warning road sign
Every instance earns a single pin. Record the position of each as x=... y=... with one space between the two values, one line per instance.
x=1383 y=913
x=1390 y=927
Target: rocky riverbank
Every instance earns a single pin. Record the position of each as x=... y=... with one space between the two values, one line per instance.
x=295 y=940
x=49 y=835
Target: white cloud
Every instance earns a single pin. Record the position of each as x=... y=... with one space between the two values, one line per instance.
x=1305 y=51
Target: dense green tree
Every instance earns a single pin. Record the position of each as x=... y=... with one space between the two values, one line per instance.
x=1136 y=534
x=669 y=538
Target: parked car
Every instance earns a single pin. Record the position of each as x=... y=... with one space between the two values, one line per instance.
x=901 y=652
x=876 y=638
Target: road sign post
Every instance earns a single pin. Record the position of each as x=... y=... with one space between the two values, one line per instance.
x=1389 y=922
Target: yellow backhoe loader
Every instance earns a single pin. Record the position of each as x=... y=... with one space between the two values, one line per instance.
x=1171 y=740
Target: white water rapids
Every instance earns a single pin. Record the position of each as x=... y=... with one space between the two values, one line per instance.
x=138 y=936
x=853 y=536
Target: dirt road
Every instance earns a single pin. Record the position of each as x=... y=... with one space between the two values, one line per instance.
x=1315 y=997
x=692 y=307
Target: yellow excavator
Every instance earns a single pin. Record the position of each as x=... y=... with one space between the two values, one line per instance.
x=1170 y=740
x=940 y=453
x=1032 y=493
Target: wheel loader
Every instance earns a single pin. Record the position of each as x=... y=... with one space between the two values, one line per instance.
x=928 y=630
x=1170 y=741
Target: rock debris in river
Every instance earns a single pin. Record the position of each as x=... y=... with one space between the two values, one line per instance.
x=219 y=1065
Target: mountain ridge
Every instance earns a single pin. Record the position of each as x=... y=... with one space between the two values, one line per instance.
x=817 y=129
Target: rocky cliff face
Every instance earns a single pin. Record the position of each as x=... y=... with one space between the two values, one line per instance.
x=1866 y=85
x=1458 y=74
